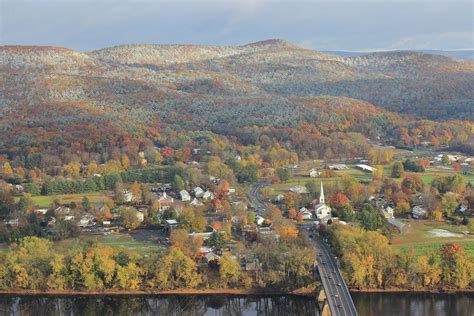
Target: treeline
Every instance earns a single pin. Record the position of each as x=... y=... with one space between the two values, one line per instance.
x=109 y=181
x=369 y=262
x=33 y=264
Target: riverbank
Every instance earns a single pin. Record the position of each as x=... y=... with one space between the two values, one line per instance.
x=240 y=292
x=237 y=292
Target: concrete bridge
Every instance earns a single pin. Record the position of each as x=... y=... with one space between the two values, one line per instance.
x=334 y=295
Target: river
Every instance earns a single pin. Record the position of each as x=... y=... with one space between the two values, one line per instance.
x=368 y=304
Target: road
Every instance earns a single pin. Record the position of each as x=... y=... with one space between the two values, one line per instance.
x=338 y=297
x=259 y=205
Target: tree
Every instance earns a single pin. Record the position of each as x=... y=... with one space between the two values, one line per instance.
x=7 y=169
x=229 y=271
x=397 y=169
x=178 y=183
x=248 y=174
x=86 y=204
x=125 y=162
x=412 y=184
x=7 y=203
x=283 y=174
x=371 y=219
x=136 y=190
x=217 y=241
x=292 y=213
x=176 y=271
x=449 y=202
x=32 y=188
x=129 y=217
x=251 y=217
x=445 y=160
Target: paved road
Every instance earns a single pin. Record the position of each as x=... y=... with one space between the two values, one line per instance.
x=338 y=297
x=259 y=205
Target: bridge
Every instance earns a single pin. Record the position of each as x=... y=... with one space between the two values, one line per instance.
x=335 y=294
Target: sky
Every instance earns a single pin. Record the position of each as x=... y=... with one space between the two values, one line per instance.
x=352 y=25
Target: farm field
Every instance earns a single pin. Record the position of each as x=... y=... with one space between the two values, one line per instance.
x=94 y=197
x=300 y=176
x=427 y=235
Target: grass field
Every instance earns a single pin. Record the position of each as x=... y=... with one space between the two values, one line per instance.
x=94 y=197
x=300 y=176
x=117 y=240
x=418 y=237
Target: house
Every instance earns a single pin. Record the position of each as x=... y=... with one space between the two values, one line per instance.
x=338 y=166
x=140 y=216
x=419 y=212
x=68 y=218
x=365 y=168
x=461 y=209
x=127 y=196
x=61 y=210
x=397 y=224
x=321 y=210
x=11 y=222
x=196 y=203
x=208 y=195
x=19 y=188
x=305 y=213
x=211 y=257
x=259 y=220
x=387 y=211
x=299 y=189
x=202 y=252
x=313 y=173
x=185 y=196
x=165 y=202
x=198 y=192
x=279 y=198
x=86 y=220
x=171 y=224
x=42 y=211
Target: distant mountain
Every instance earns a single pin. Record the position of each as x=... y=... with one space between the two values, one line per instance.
x=147 y=77
x=465 y=54
x=52 y=96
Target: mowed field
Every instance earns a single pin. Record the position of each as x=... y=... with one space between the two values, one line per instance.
x=124 y=241
x=425 y=236
x=44 y=201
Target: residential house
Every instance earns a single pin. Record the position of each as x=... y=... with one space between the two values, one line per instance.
x=127 y=196
x=305 y=213
x=419 y=212
x=338 y=166
x=198 y=192
x=185 y=196
x=387 y=211
x=259 y=220
x=313 y=173
x=42 y=211
x=208 y=195
x=196 y=203
x=86 y=220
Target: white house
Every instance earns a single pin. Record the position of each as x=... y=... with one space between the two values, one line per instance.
x=279 y=198
x=86 y=221
x=198 y=192
x=69 y=218
x=184 y=195
x=127 y=196
x=388 y=212
x=338 y=166
x=42 y=211
x=208 y=195
x=321 y=210
x=313 y=173
x=259 y=220
x=419 y=212
x=305 y=213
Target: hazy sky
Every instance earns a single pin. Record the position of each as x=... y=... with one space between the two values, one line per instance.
x=322 y=25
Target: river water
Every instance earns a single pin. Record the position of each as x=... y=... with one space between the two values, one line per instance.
x=370 y=304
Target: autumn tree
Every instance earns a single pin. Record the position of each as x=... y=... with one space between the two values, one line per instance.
x=176 y=271
x=397 y=169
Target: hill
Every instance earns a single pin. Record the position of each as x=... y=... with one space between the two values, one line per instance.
x=51 y=96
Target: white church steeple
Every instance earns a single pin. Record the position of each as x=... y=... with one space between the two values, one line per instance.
x=321 y=196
